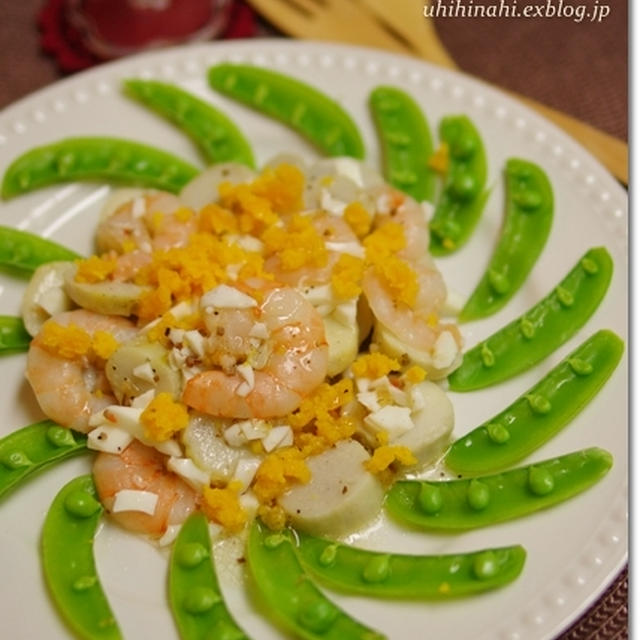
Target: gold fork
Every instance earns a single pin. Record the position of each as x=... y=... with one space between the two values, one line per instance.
x=332 y=20
x=406 y=18
x=400 y=26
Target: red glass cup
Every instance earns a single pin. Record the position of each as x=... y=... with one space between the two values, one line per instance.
x=113 y=28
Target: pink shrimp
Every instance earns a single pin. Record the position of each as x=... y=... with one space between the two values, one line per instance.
x=142 y=468
x=145 y=223
x=411 y=328
x=282 y=341
x=337 y=236
x=70 y=390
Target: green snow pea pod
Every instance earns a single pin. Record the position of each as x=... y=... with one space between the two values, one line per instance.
x=541 y=330
x=529 y=214
x=487 y=500
x=27 y=251
x=538 y=415
x=217 y=137
x=463 y=195
x=34 y=447
x=306 y=110
x=291 y=595
x=394 y=575
x=13 y=336
x=112 y=159
x=195 y=597
x=68 y=563
x=406 y=141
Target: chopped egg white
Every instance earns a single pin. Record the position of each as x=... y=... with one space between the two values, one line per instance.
x=445 y=350
x=249 y=503
x=169 y=535
x=394 y=420
x=245 y=370
x=246 y=471
x=234 y=436
x=259 y=330
x=369 y=400
x=351 y=248
x=280 y=436
x=349 y=168
x=145 y=372
x=254 y=429
x=225 y=297
x=195 y=341
x=109 y=439
x=186 y=469
x=330 y=204
x=134 y=500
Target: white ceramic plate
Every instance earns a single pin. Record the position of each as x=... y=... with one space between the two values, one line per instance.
x=574 y=550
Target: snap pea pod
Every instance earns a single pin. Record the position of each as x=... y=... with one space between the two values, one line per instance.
x=217 y=137
x=463 y=195
x=195 y=597
x=306 y=110
x=406 y=142
x=68 y=563
x=114 y=159
x=27 y=251
x=487 y=500
x=541 y=412
x=13 y=335
x=541 y=330
x=291 y=595
x=394 y=575
x=34 y=447
x=528 y=218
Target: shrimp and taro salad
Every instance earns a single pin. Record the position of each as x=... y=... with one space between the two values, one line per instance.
x=241 y=348
x=265 y=356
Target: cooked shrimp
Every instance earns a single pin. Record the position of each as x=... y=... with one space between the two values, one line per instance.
x=410 y=326
x=154 y=220
x=69 y=390
x=335 y=238
x=415 y=323
x=142 y=468
x=394 y=206
x=280 y=346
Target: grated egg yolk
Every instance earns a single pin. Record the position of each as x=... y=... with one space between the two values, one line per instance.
x=374 y=365
x=222 y=505
x=163 y=417
x=279 y=470
x=384 y=456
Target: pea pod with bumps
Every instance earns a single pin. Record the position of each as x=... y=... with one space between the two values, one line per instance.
x=463 y=195
x=217 y=137
x=26 y=251
x=394 y=575
x=308 y=111
x=543 y=328
x=96 y=158
x=406 y=142
x=194 y=594
x=291 y=595
x=527 y=224
x=14 y=338
x=456 y=505
x=69 y=566
x=541 y=412
x=31 y=449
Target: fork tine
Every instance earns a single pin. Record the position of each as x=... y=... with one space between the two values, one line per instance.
x=337 y=21
x=292 y=20
x=308 y=6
